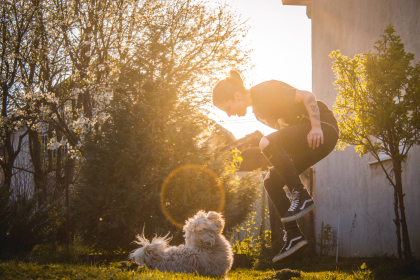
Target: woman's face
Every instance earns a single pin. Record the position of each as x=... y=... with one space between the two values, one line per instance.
x=235 y=106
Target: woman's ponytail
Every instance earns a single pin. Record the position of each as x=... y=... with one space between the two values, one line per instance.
x=224 y=90
x=235 y=75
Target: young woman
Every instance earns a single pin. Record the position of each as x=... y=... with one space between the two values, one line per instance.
x=307 y=132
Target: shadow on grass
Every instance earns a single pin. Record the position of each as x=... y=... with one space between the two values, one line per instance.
x=383 y=268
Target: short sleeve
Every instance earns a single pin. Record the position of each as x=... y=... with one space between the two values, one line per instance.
x=273 y=100
x=279 y=93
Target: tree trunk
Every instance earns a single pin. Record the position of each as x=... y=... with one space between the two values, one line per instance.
x=35 y=150
x=8 y=172
x=59 y=177
x=67 y=173
x=397 y=224
x=10 y=155
x=405 y=237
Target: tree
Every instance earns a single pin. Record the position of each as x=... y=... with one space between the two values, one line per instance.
x=77 y=73
x=378 y=109
x=63 y=63
x=157 y=124
x=118 y=194
x=19 y=50
x=57 y=66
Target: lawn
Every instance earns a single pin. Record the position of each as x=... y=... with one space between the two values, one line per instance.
x=19 y=270
x=310 y=269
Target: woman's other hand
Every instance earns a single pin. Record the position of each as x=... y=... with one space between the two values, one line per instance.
x=315 y=137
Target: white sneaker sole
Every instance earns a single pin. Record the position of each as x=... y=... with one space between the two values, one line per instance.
x=290 y=251
x=298 y=215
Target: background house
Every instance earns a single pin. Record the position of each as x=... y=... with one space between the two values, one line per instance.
x=22 y=181
x=345 y=184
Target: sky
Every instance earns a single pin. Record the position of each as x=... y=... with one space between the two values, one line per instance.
x=280 y=36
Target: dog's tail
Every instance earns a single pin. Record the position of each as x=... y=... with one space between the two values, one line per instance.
x=160 y=243
x=156 y=247
x=141 y=240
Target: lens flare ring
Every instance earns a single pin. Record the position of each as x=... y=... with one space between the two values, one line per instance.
x=175 y=172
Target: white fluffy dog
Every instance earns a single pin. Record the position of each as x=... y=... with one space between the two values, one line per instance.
x=206 y=250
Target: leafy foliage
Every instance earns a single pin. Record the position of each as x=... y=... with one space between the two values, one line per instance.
x=329 y=240
x=378 y=110
x=23 y=224
x=121 y=179
x=363 y=273
x=379 y=96
x=64 y=62
x=55 y=81
x=156 y=125
x=251 y=248
x=56 y=252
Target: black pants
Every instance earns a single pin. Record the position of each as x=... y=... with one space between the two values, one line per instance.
x=293 y=140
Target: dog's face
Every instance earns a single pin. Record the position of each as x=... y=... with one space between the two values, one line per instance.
x=203 y=229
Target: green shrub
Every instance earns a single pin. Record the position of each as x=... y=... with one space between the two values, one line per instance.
x=24 y=224
x=256 y=249
x=363 y=273
x=119 y=189
x=249 y=247
x=55 y=252
x=157 y=123
x=328 y=241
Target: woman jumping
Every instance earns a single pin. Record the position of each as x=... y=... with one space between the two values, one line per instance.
x=307 y=132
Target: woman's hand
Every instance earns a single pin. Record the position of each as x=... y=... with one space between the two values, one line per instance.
x=315 y=137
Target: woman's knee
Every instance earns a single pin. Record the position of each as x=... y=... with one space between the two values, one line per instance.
x=264 y=143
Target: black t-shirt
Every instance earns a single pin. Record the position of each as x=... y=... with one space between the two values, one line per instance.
x=273 y=104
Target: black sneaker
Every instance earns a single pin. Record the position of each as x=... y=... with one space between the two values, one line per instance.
x=302 y=203
x=293 y=241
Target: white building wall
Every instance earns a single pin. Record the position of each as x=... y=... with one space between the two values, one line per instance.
x=345 y=183
x=22 y=182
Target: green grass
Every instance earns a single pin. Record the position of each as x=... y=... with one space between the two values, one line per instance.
x=309 y=269
x=20 y=270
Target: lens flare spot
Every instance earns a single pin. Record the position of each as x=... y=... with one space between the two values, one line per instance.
x=164 y=204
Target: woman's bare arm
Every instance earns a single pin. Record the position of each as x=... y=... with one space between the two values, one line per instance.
x=315 y=136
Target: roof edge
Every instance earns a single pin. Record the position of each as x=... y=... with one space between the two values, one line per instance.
x=307 y=3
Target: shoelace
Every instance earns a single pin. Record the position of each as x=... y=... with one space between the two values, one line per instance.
x=294 y=197
x=285 y=236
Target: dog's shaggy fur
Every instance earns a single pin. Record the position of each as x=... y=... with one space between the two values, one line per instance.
x=206 y=250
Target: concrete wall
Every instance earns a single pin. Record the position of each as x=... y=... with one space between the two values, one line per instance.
x=345 y=183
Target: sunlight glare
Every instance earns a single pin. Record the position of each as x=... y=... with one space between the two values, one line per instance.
x=280 y=37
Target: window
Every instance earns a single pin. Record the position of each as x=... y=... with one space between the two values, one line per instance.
x=382 y=155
